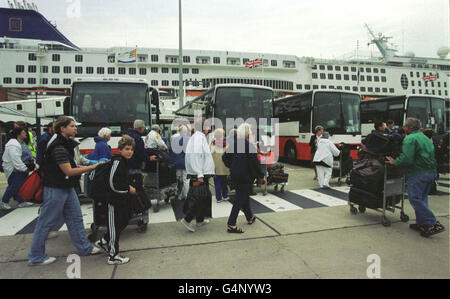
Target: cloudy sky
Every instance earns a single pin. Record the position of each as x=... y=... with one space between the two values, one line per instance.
x=317 y=28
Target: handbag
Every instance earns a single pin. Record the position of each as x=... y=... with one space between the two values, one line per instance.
x=33 y=187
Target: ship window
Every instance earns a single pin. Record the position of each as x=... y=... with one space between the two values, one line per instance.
x=299 y=86
x=79 y=58
x=7 y=80
x=175 y=83
x=56 y=57
x=78 y=70
x=67 y=81
x=323 y=87
x=331 y=87
x=100 y=70
x=329 y=67
x=154 y=69
x=369 y=78
x=337 y=68
x=171 y=59
x=404 y=81
x=20 y=68
x=347 y=87
x=314 y=75
x=273 y=63
x=322 y=76
x=353 y=69
x=339 y=87
x=363 y=89
x=55 y=81
x=354 y=78
x=111 y=71
x=32 y=69
x=375 y=70
x=165 y=70
x=338 y=77
x=383 y=79
x=216 y=60
x=376 y=78
x=355 y=88
x=44 y=69
x=391 y=90
x=368 y=70
x=185 y=71
x=361 y=78
x=346 y=77
x=44 y=81
x=154 y=58
x=315 y=86
x=174 y=70
x=19 y=107
x=321 y=67
x=383 y=71
x=67 y=70
x=314 y=67
x=330 y=76
x=111 y=59
x=31 y=80
x=142 y=71
x=122 y=71
x=154 y=82
x=89 y=70
x=195 y=71
x=385 y=89
x=165 y=82
x=132 y=71
x=187 y=59
x=307 y=86
x=55 y=69
x=377 y=89
x=345 y=68
x=32 y=57
x=370 y=89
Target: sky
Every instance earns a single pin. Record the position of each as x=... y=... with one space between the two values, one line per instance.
x=316 y=28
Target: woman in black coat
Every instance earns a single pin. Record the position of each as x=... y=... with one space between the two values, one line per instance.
x=244 y=166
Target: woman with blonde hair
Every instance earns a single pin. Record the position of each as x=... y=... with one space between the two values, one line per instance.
x=218 y=148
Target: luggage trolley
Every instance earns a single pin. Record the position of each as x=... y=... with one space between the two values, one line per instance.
x=393 y=194
x=154 y=191
x=100 y=212
x=341 y=167
x=267 y=165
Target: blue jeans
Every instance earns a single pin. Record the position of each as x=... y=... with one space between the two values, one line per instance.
x=59 y=203
x=418 y=188
x=15 y=181
x=220 y=185
x=241 y=201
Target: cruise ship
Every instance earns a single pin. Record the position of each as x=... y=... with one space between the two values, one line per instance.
x=34 y=54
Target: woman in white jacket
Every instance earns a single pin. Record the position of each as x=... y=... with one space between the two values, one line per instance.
x=15 y=167
x=323 y=159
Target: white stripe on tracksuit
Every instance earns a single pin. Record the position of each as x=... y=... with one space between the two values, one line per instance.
x=111 y=176
x=112 y=231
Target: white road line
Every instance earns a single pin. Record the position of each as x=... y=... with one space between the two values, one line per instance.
x=320 y=197
x=16 y=220
x=275 y=203
x=443 y=189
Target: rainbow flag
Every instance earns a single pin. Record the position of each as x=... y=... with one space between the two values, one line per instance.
x=127 y=57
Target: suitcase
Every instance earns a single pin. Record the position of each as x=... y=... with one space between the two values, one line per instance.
x=365 y=199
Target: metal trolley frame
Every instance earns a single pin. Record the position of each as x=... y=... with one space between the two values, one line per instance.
x=157 y=194
x=393 y=186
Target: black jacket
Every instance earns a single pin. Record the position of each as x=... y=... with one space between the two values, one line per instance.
x=53 y=175
x=244 y=166
x=136 y=161
x=118 y=179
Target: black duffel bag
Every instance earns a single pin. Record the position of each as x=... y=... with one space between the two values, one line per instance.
x=139 y=203
x=365 y=199
x=198 y=200
x=368 y=174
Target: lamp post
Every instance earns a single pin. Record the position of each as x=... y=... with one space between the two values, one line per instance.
x=180 y=58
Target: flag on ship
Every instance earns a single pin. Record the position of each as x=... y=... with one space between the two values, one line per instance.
x=254 y=63
x=430 y=78
x=127 y=57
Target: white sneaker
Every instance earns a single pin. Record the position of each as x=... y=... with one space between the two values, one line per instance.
x=46 y=262
x=5 y=206
x=95 y=250
x=204 y=222
x=25 y=204
x=187 y=225
x=118 y=260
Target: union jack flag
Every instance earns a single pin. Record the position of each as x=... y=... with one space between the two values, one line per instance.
x=430 y=78
x=253 y=63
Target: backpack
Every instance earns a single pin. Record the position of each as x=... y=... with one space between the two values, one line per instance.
x=33 y=187
x=98 y=180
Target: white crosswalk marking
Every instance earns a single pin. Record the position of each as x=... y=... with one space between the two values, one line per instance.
x=275 y=203
x=320 y=197
x=13 y=222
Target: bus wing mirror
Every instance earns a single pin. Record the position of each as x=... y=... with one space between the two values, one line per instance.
x=155 y=97
x=66 y=106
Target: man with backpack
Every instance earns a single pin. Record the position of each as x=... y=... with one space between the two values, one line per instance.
x=117 y=191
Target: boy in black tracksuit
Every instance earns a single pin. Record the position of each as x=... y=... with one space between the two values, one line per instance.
x=119 y=211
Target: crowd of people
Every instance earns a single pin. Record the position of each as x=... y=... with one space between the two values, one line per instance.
x=224 y=160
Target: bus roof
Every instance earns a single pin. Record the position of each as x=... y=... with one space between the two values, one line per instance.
x=242 y=85
x=110 y=79
x=404 y=97
x=316 y=91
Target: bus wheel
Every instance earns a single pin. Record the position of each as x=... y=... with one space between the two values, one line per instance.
x=291 y=153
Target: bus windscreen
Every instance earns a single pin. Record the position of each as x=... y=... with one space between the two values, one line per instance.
x=338 y=113
x=243 y=102
x=116 y=105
